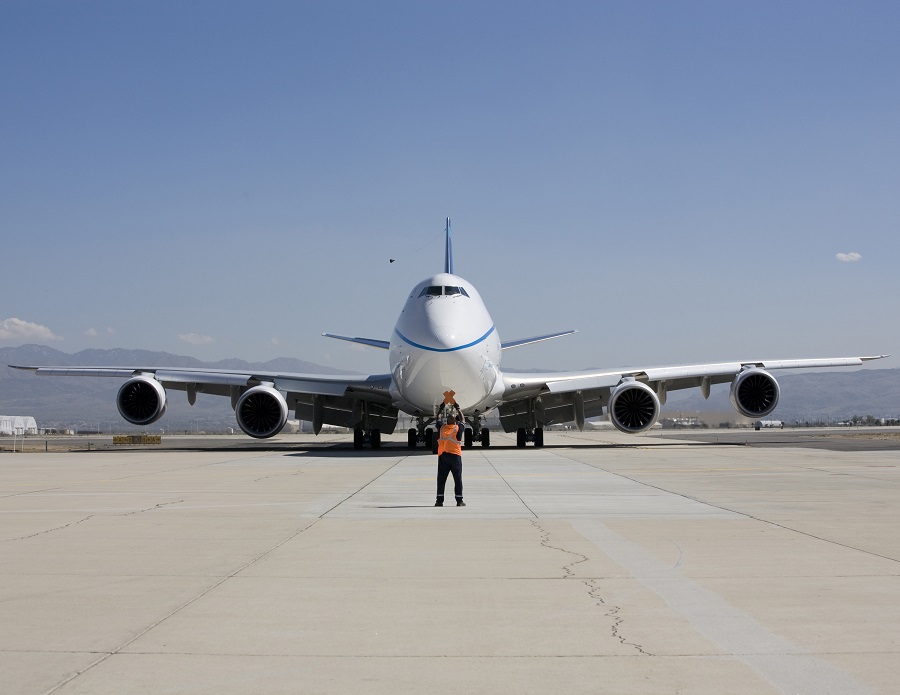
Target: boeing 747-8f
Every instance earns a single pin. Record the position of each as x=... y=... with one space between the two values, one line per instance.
x=445 y=353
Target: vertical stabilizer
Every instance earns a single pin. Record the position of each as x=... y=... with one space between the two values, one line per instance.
x=448 y=256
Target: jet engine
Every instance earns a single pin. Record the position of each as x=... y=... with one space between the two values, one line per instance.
x=261 y=412
x=633 y=407
x=141 y=400
x=754 y=393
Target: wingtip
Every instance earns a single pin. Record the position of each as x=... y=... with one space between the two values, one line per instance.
x=874 y=357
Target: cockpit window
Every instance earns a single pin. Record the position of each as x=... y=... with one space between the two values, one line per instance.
x=437 y=291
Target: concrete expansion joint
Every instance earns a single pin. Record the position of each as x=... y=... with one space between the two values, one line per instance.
x=49 y=530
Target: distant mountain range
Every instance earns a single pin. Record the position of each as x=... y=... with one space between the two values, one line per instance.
x=89 y=404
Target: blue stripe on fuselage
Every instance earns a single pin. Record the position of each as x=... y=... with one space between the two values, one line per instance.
x=461 y=347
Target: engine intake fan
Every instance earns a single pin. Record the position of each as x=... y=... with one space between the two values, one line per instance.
x=754 y=393
x=633 y=407
x=261 y=412
x=141 y=400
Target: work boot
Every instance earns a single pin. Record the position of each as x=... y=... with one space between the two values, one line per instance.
x=439 y=503
x=460 y=503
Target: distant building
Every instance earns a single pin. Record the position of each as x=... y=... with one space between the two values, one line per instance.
x=17 y=424
x=682 y=423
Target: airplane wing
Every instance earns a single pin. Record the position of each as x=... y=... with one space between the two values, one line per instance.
x=371 y=342
x=536 y=339
x=342 y=400
x=556 y=397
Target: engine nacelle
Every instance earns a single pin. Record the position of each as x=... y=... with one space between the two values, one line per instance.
x=633 y=407
x=141 y=400
x=754 y=393
x=261 y=412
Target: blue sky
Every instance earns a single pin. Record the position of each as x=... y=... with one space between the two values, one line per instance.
x=230 y=179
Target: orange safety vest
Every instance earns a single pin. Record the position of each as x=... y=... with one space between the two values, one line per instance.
x=447 y=442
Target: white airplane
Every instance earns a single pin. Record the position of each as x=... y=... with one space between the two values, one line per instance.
x=445 y=354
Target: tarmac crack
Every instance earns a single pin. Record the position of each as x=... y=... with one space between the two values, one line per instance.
x=611 y=611
x=277 y=475
x=154 y=507
x=545 y=541
x=49 y=530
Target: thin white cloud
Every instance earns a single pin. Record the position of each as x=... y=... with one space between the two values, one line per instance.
x=91 y=333
x=17 y=329
x=851 y=257
x=196 y=339
x=275 y=341
x=110 y=331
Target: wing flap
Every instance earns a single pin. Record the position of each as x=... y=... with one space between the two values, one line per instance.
x=167 y=376
x=584 y=383
x=121 y=372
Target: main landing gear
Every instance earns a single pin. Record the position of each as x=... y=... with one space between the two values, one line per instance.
x=362 y=437
x=535 y=435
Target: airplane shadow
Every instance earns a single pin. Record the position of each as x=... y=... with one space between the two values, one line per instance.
x=345 y=450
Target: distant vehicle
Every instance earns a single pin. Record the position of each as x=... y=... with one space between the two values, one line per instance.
x=760 y=424
x=444 y=352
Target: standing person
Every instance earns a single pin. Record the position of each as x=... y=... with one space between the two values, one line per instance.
x=450 y=461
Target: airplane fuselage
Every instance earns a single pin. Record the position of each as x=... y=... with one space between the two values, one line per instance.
x=445 y=346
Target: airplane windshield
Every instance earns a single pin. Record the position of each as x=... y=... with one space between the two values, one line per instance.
x=437 y=291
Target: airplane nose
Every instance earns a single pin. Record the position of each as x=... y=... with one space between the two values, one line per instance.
x=445 y=337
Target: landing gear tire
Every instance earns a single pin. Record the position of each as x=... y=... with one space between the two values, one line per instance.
x=539 y=437
x=467 y=438
x=411 y=436
x=358 y=438
x=521 y=437
x=375 y=437
x=485 y=438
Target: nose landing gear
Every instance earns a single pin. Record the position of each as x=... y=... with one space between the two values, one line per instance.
x=422 y=434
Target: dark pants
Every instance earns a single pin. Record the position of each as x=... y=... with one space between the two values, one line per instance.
x=449 y=464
